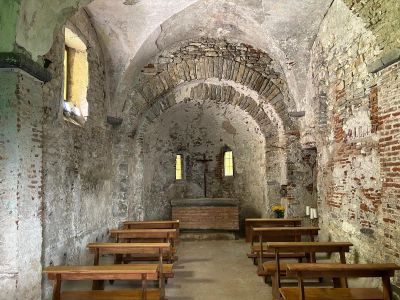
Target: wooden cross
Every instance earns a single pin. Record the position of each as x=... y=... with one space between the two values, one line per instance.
x=205 y=162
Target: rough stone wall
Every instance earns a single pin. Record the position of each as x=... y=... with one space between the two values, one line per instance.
x=356 y=128
x=194 y=128
x=381 y=17
x=77 y=161
x=20 y=186
x=230 y=73
x=239 y=64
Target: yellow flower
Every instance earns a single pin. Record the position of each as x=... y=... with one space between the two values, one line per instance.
x=278 y=208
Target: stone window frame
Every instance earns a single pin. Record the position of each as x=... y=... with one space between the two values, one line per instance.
x=75 y=57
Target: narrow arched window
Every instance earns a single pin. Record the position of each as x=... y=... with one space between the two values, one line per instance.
x=179 y=167
x=228 y=163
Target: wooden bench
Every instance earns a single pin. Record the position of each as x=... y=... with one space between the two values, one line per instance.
x=173 y=224
x=278 y=234
x=156 y=250
x=335 y=271
x=110 y=272
x=145 y=235
x=252 y=223
x=276 y=268
x=134 y=251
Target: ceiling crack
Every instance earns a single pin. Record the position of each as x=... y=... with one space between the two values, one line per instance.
x=156 y=41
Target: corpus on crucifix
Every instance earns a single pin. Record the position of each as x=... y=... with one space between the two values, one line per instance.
x=205 y=162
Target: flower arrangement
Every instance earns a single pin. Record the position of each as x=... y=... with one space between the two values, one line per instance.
x=279 y=210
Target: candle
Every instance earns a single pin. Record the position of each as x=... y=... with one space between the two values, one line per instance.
x=313 y=213
x=307 y=210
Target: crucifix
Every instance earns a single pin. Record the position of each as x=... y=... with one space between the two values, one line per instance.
x=205 y=162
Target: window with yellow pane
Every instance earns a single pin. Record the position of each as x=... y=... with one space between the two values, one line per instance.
x=76 y=79
x=179 y=167
x=228 y=163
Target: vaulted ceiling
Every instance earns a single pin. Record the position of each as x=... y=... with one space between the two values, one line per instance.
x=134 y=31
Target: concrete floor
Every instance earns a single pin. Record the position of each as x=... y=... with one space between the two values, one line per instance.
x=216 y=270
x=206 y=270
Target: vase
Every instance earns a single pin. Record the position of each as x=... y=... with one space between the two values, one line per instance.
x=279 y=214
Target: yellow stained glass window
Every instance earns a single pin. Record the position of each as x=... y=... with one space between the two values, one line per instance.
x=178 y=167
x=228 y=163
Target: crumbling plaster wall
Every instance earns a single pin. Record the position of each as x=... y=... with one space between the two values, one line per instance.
x=20 y=185
x=194 y=128
x=77 y=161
x=356 y=128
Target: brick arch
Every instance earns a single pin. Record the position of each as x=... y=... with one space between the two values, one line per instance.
x=264 y=115
x=219 y=61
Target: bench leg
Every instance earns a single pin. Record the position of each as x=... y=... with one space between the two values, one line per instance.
x=144 y=287
x=57 y=288
x=98 y=285
x=337 y=282
x=276 y=295
x=118 y=259
x=387 y=288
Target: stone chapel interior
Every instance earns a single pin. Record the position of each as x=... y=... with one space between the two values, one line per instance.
x=114 y=110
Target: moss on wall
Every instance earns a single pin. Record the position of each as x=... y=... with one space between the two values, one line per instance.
x=8 y=24
x=39 y=19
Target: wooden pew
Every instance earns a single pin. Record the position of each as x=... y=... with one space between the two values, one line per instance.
x=173 y=224
x=278 y=234
x=111 y=272
x=276 y=268
x=252 y=223
x=140 y=235
x=306 y=270
x=132 y=249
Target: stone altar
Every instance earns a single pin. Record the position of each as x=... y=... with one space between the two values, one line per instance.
x=214 y=214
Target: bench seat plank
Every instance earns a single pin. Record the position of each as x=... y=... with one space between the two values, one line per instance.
x=252 y=223
x=143 y=233
x=292 y=293
x=280 y=231
x=104 y=272
x=269 y=268
x=309 y=246
x=151 y=224
x=269 y=254
x=152 y=294
x=167 y=269
x=126 y=248
x=336 y=270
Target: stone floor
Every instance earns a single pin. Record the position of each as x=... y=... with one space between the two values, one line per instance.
x=208 y=270
x=216 y=270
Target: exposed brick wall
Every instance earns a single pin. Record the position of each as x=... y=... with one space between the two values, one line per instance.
x=223 y=218
x=389 y=149
x=357 y=161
